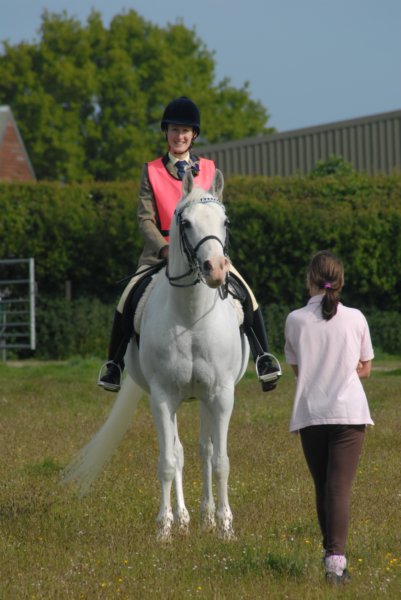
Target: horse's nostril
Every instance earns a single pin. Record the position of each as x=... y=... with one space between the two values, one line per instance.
x=207 y=266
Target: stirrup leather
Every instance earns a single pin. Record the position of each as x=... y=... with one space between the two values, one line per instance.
x=269 y=376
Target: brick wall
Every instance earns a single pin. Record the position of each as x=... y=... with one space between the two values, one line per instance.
x=14 y=165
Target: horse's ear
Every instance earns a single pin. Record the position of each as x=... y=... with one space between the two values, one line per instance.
x=218 y=184
x=187 y=183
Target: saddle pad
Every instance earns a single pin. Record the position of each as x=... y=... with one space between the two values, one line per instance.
x=141 y=305
x=238 y=309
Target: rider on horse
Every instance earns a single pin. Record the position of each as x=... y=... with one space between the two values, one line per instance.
x=160 y=191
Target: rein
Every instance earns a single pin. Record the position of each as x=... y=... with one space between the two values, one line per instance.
x=190 y=251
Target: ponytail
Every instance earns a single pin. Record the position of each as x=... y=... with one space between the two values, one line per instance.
x=326 y=272
x=329 y=302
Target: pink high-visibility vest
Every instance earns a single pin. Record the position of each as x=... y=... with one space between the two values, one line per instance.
x=168 y=190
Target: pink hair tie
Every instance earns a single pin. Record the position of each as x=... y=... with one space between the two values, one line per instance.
x=327 y=285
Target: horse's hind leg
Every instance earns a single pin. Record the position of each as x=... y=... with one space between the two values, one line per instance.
x=208 y=509
x=181 y=514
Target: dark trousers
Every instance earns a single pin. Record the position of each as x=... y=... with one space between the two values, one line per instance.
x=332 y=453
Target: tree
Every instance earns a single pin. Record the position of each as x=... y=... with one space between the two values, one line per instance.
x=88 y=99
x=334 y=165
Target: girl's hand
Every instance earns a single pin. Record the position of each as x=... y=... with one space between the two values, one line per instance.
x=163 y=252
x=363 y=368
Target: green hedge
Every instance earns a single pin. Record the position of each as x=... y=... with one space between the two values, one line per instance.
x=82 y=328
x=385 y=328
x=73 y=328
x=279 y=223
x=87 y=234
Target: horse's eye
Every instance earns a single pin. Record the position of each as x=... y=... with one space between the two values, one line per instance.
x=226 y=223
x=186 y=224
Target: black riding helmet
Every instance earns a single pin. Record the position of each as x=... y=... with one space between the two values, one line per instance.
x=181 y=111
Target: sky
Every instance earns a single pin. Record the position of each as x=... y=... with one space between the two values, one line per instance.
x=309 y=62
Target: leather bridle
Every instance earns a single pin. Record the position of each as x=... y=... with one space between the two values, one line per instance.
x=191 y=251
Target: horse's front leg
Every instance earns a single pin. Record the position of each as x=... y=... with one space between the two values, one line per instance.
x=208 y=509
x=164 y=415
x=181 y=514
x=222 y=408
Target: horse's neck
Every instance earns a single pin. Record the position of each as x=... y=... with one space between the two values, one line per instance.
x=190 y=299
x=192 y=309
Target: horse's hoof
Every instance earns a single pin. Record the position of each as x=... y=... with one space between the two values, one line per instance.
x=225 y=524
x=183 y=529
x=164 y=535
x=208 y=523
x=181 y=520
x=164 y=526
x=227 y=534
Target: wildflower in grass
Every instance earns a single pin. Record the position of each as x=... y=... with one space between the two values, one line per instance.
x=393 y=561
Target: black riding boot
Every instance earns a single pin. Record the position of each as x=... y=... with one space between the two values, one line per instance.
x=119 y=339
x=267 y=369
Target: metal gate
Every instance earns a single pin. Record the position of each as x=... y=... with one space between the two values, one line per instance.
x=17 y=304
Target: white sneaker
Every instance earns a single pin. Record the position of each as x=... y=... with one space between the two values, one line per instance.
x=336 y=569
x=336 y=563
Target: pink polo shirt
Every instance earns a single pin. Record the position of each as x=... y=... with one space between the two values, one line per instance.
x=329 y=390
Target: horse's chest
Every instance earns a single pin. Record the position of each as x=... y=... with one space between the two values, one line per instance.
x=188 y=352
x=197 y=358
x=193 y=372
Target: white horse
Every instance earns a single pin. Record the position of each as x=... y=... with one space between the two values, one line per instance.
x=190 y=347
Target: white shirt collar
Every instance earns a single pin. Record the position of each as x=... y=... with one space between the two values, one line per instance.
x=316 y=299
x=174 y=159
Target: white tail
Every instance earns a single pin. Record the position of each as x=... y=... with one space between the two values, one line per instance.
x=90 y=460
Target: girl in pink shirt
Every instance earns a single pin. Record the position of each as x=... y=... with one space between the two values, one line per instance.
x=329 y=348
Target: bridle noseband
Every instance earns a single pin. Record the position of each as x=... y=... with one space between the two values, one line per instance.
x=190 y=251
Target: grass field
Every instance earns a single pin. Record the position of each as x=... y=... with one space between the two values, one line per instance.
x=55 y=546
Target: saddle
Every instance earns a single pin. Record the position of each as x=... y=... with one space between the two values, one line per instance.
x=141 y=305
x=136 y=300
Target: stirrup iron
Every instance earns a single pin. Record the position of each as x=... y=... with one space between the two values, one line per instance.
x=112 y=387
x=269 y=376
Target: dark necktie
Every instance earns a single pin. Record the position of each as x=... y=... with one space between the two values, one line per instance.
x=180 y=166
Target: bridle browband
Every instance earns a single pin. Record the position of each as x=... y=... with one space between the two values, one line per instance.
x=190 y=251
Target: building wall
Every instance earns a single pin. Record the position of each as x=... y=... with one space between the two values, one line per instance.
x=14 y=163
x=371 y=144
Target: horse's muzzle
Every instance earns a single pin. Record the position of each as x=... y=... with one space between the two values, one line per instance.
x=215 y=271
